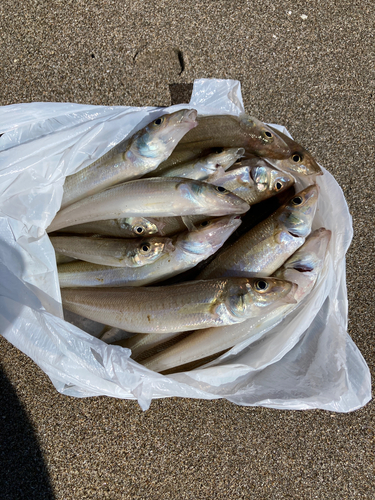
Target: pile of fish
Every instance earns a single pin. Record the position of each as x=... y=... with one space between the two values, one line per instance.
x=186 y=228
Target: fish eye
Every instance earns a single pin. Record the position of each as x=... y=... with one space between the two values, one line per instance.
x=296 y=157
x=278 y=185
x=261 y=285
x=159 y=121
x=221 y=189
x=139 y=229
x=297 y=200
x=205 y=223
x=145 y=248
x=267 y=136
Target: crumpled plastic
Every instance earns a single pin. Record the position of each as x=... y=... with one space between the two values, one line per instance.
x=306 y=361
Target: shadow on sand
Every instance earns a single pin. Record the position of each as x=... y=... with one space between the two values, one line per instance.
x=23 y=473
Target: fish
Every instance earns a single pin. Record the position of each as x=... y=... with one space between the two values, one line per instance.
x=300 y=162
x=188 y=306
x=189 y=248
x=155 y=197
x=201 y=168
x=132 y=157
x=140 y=226
x=262 y=250
x=303 y=269
x=126 y=227
x=258 y=213
x=305 y=265
x=183 y=155
x=252 y=184
x=115 y=252
x=268 y=292
x=235 y=131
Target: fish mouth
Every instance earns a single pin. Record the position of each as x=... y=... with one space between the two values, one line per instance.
x=314 y=190
x=294 y=234
x=290 y=297
x=303 y=268
x=190 y=116
x=309 y=164
x=241 y=205
x=185 y=117
x=240 y=152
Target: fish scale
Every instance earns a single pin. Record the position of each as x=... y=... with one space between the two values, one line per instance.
x=177 y=308
x=235 y=131
x=189 y=248
x=131 y=158
x=253 y=184
x=248 y=249
x=128 y=227
x=160 y=197
x=267 y=246
x=111 y=251
x=201 y=168
x=205 y=342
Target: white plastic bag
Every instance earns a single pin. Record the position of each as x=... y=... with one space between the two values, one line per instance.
x=307 y=361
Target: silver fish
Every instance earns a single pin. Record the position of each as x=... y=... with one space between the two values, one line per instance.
x=253 y=184
x=269 y=244
x=155 y=197
x=300 y=161
x=111 y=251
x=132 y=157
x=176 y=308
x=305 y=265
x=132 y=227
x=267 y=292
x=201 y=168
x=190 y=248
x=126 y=227
x=235 y=131
x=302 y=268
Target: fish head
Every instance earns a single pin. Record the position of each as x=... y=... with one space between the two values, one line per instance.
x=158 y=139
x=303 y=163
x=310 y=256
x=262 y=139
x=234 y=181
x=151 y=249
x=217 y=199
x=209 y=235
x=269 y=180
x=299 y=162
x=298 y=213
x=140 y=226
x=245 y=298
x=304 y=266
x=227 y=157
